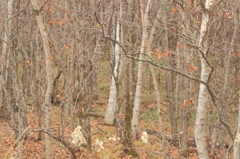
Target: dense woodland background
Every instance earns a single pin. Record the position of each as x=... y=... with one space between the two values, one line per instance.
x=143 y=78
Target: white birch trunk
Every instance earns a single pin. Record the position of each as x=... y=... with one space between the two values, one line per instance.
x=200 y=124
x=112 y=101
x=48 y=58
x=236 y=150
x=137 y=98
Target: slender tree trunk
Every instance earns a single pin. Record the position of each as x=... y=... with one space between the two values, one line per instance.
x=36 y=85
x=20 y=90
x=137 y=99
x=185 y=96
x=236 y=150
x=127 y=140
x=200 y=124
x=22 y=118
x=112 y=101
x=169 y=74
x=48 y=59
x=214 y=136
x=85 y=119
x=150 y=42
x=237 y=137
x=225 y=92
x=6 y=72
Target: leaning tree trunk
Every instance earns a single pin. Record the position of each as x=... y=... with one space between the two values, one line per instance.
x=48 y=58
x=112 y=101
x=137 y=98
x=200 y=124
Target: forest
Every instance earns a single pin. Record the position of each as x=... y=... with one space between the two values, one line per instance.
x=111 y=79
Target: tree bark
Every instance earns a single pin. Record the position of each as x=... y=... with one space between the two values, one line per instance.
x=5 y=70
x=200 y=123
x=225 y=91
x=150 y=42
x=48 y=60
x=137 y=98
x=127 y=140
x=112 y=101
x=169 y=74
x=236 y=150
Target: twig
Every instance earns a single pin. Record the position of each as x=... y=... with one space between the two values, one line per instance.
x=93 y=114
x=16 y=142
x=65 y=143
x=102 y=130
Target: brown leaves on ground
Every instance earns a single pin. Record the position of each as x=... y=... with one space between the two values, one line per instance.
x=110 y=148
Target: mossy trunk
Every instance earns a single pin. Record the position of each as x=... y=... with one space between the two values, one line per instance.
x=127 y=141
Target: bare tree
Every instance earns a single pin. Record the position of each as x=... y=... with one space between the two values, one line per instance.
x=6 y=71
x=137 y=98
x=112 y=101
x=200 y=124
x=237 y=138
x=48 y=58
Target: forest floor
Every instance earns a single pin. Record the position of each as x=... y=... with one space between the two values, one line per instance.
x=34 y=149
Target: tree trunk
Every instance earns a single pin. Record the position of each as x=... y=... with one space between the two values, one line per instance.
x=6 y=71
x=48 y=59
x=112 y=101
x=237 y=137
x=127 y=140
x=36 y=89
x=150 y=42
x=137 y=98
x=85 y=123
x=225 y=91
x=236 y=150
x=169 y=75
x=200 y=124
